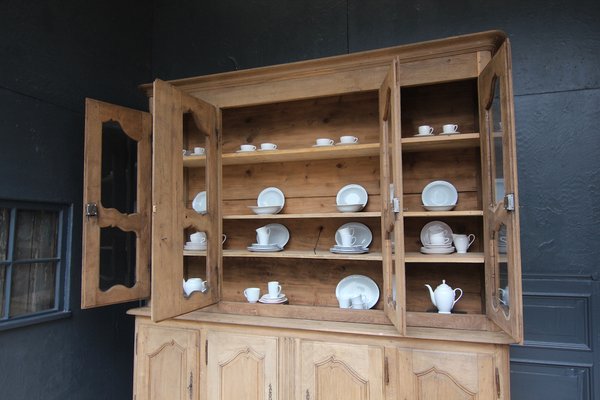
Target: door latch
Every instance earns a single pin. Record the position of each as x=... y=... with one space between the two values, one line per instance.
x=509 y=202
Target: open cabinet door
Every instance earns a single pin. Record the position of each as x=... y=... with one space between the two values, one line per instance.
x=116 y=205
x=392 y=229
x=501 y=235
x=185 y=200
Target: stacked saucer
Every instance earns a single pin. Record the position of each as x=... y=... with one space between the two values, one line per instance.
x=267 y=299
x=436 y=237
x=195 y=246
x=265 y=248
x=359 y=241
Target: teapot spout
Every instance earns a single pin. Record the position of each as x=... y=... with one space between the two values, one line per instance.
x=431 y=294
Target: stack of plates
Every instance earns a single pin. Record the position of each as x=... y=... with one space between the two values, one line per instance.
x=439 y=196
x=193 y=246
x=266 y=299
x=264 y=247
x=436 y=227
x=363 y=236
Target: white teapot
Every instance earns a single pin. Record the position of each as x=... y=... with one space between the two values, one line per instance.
x=193 y=285
x=444 y=297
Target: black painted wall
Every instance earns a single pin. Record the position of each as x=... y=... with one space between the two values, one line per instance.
x=52 y=55
x=556 y=59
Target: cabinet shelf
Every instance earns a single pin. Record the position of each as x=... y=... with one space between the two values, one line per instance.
x=465 y=213
x=369 y=214
x=301 y=254
x=473 y=258
x=302 y=154
x=440 y=142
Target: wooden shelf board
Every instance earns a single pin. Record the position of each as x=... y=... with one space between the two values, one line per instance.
x=302 y=154
x=440 y=142
x=464 y=213
x=414 y=257
x=369 y=214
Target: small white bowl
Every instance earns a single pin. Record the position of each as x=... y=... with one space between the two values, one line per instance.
x=439 y=193
x=352 y=194
x=349 y=207
x=265 y=209
x=439 y=208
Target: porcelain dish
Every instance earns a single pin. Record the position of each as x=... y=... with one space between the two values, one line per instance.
x=265 y=209
x=435 y=227
x=271 y=196
x=264 y=248
x=199 y=203
x=437 y=250
x=355 y=285
x=349 y=250
x=352 y=194
x=439 y=208
x=362 y=233
x=266 y=299
x=439 y=193
x=279 y=235
x=349 y=207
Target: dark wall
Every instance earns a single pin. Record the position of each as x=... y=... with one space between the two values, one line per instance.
x=556 y=59
x=52 y=55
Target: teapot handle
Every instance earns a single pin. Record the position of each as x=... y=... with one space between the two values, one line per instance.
x=461 y=293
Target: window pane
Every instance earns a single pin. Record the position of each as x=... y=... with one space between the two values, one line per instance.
x=119 y=168
x=36 y=234
x=33 y=287
x=2 y=288
x=4 y=230
x=117 y=258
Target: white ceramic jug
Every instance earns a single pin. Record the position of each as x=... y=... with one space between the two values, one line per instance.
x=193 y=285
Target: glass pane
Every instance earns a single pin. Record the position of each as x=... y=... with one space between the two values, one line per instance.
x=117 y=258
x=32 y=288
x=502 y=296
x=4 y=230
x=497 y=131
x=36 y=234
x=119 y=169
x=3 y=269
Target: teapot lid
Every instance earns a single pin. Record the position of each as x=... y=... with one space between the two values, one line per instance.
x=443 y=285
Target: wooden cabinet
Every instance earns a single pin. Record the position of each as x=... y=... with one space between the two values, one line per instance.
x=166 y=363
x=329 y=371
x=241 y=367
x=381 y=97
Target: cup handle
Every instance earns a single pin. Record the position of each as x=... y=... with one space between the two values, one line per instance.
x=461 y=293
x=447 y=240
x=471 y=240
x=353 y=241
x=430 y=130
x=331 y=141
x=224 y=238
x=274 y=147
x=245 y=293
x=278 y=290
x=455 y=128
x=253 y=147
x=355 y=139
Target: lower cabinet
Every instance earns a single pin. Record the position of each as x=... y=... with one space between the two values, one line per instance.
x=191 y=360
x=447 y=375
x=166 y=363
x=329 y=371
x=241 y=367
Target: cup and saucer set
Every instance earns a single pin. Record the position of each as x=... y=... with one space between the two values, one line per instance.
x=436 y=238
x=352 y=238
x=269 y=238
x=273 y=295
x=427 y=130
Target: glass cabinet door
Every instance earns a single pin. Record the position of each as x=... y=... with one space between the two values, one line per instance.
x=502 y=250
x=186 y=221
x=116 y=205
x=392 y=230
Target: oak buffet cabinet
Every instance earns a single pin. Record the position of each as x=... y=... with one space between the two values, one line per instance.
x=138 y=214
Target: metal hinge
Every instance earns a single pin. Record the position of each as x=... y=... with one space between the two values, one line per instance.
x=91 y=210
x=498 y=383
x=396 y=205
x=509 y=202
x=386 y=371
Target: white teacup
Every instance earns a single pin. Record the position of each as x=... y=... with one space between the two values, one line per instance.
x=348 y=139
x=324 y=142
x=438 y=238
x=463 y=242
x=450 y=128
x=425 y=130
x=344 y=302
x=358 y=302
x=198 y=237
x=347 y=237
x=247 y=147
x=274 y=289
x=252 y=294
x=268 y=146
x=263 y=234
x=199 y=151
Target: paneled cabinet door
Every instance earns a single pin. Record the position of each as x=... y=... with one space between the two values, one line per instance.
x=330 y=371
x=241 y=367
x=443 y=375
x=166 y=363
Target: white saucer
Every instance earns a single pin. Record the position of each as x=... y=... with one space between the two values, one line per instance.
x=265 y=246
x=426 y=134
x=346 y=250
x=449 y=133
x=438 y=246
x=265 y=299
x=195 y=248
x=445 y=250
x=345 y=144
x=322 y=145
x=266 y=149
x=245 y=151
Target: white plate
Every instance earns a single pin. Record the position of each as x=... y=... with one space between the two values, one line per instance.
x=279 y=235
x=449 y=133
x=354 y=285
x=265 y=210
x=435 y=226
x=439 y=193
x=362 y=233
x=439 y=208
x=322 y=145
x=427 y=250
x=438 y=246
x=263 y=249
x=271 y=196
x=425 y=134
x=357 y=250
x=199 y=203
x=267 y=300
x=264 y=246
x=352 y=194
